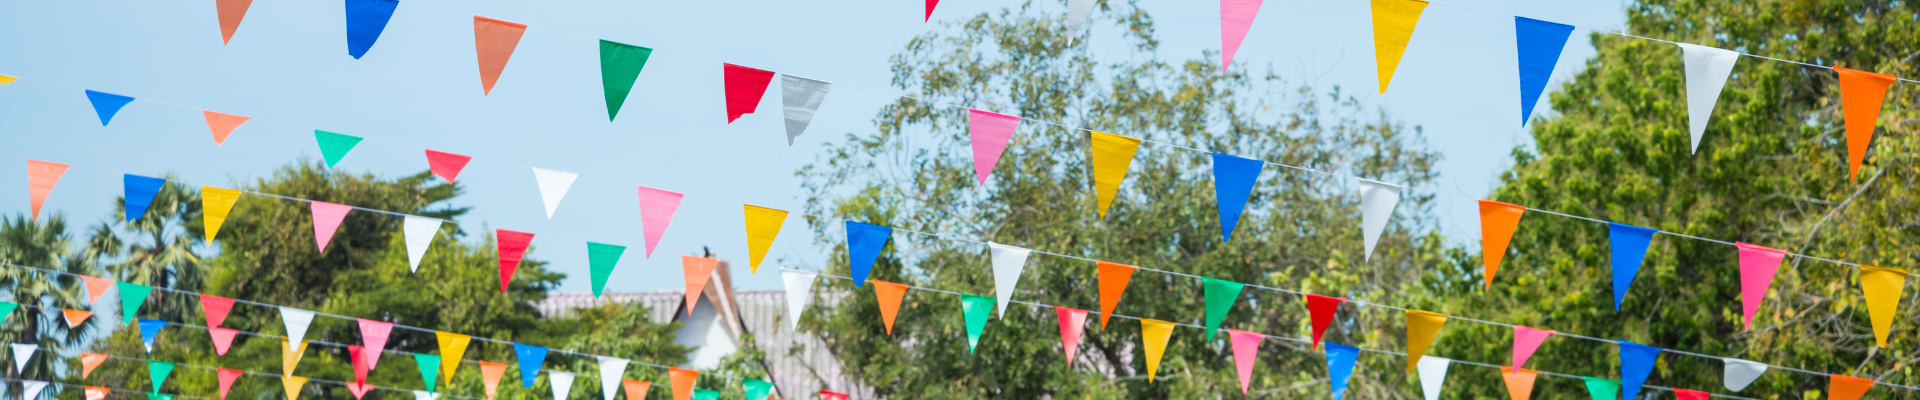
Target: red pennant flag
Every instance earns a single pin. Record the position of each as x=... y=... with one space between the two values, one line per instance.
x=493 y=42
x=89 y=361
x=1321 y=309
x=231 y=11
x=889 y=295
x=95 y=287
x=1861 y=95
x=1113 y=282
x=682 y=380
x=512 y=245
x=1072 y=322
x=832 y=395
x=326 y=220
x=930 y=5
x=359 y=356
x=41 y=176
x=1683 y=394
x=227 y=377
x=697 y=270
x=222 y=339
x=75 y=317
x=216 y=308
x=222 y=124
x=745 y=86
x=446 y=165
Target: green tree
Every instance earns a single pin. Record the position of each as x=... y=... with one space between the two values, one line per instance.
x=25 y=242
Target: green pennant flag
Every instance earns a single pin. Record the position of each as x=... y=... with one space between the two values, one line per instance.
x=6 y=309
x=758 y=389
x=1602 y=389
x=706 y=394
x=1220 y=298
x=619 y=66
x=159 y=371
x=160 y=396
x=132 y=295
x=334 y=146
x=977 y=308
x=601 y=258
x=429 y=368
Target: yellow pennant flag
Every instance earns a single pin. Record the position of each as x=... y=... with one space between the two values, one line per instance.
x=1422 y=326
x=214 y=204
x=1111 y=156
x=293 y=384
x=452 y=347
x=290 y=357
x=1883 y=287
x=1393 y=22
x=763 y=224
x=7 y=79
x=1155 y=334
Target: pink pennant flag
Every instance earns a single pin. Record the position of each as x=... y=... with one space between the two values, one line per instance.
x=358 y=389
x=1525 y=341
x=1236 y=17
x=1321 y=309
x=1246 y=349
x=222 y=339
x=216 y=308
x=446 y=165
x=656 y=211
x=745 y=86
x=41 y=176
x=374 y=335
x=1072 y=322
x=326 y=220
x=1757 y=266
x=222 y=124
x=359 y=356
x=493 y=43
x=990 y=132
x=511 y=245
x=227 y=377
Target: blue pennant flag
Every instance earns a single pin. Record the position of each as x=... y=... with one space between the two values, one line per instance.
x=1233 y=179
x=365 y=20
x=149 y=329
x=531 y=359
x=1636 y=361
x=863 y=247
x=1629 y=247
x=107 y=104
x=1340 y=360
x=140 y=192
x=1539 y=43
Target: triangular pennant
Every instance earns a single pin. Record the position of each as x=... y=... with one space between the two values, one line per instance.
x=96 y=287
x=1842 y=387
x=1882 y=287
x=1707 y=71
x=41 y=177
x=1113 y=282
x=1629 y=245
x=832 y=395
x=1525 y=341
x=358 y=390
x=763 y=225
x=976 y=309
x=452 y=346
x=1321 y=310
x=334 y=146
x=1683 y=394
x=30 y=390
x=4 y=79
x=1740 y=373
x=420 y=232
x=989 y=132
x=22 y=352
x=149 y=330
x=706 y=394
x=620 y=65
x=89 y=361
x=1757 y=267
x=216 y=308
x=682 y=380
x=799 y=286
x=297 y=321
x=1377 y=200
x=6 y=309
x=139 y=194
x=290 y=356
x=929 y=17
x=757 y=389
x=1539 y=44
x=1393 y=22
x=132 y=295
x=656 y=212
x=493 y=42
x=1220 y=296
x=1077 y=12
x=222 y=339
x=107 y=104
x=358 y=357
x=601 y=258
x=1636 y=361
x=365 y=20
x=293 y=384
x=1246 y=350
x=1861 y=95
x=1519 y=382
x=1233 y=181
x=744 y=86
x=1497 y=222
x=532 y=358
x=864 y=242
x=490 y=373
x=429 y=369
x=1433 y=376
x=223 y=124
x=1112 y=154
x=634 y=389
x=611 y=369
x=75 y=317
x=215 y=203
x=1154 y=335
x=889 y=295
x=1340 y=360
x=326 y=220
x=1008 y=262
x=553 y=187
x=561 y=382
x=97 y=393
x=373 y=335
x=425 y=395
x=227 y=377
x=1422 y=327
x=446 y=165
x=1236 y=17
x=697 y=270
x=511 y=245
x=1602 y=389
x=158 y=371
x=800 y=98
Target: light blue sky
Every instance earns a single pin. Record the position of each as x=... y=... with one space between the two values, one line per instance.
x=419 y=87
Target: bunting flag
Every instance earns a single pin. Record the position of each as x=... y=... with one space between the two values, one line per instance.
x=601 y=258
x=864 y=242
x=1321 y=309
x=1861 y=95
x=1113 y=282
x=215 y=203
x=620 y=65
x=744 y=86
x=1112 y=154
x=656 y=212
x=41 y=177
x=1683 y=394
x=97 y=393
x=490 y=373
x=1008 y=263
x=1602 y=389
x=149 y=330
x=1236 y=17
x=757 y=389
x=635 y=389
x=227 y=377
x=334 y=146
x=6 y=309
x=800 y=98
x=889 y=295
x=1636 y=361
x=139 y=194
x=561 y=382
x=1519 y=382
x=1740 y=373
x=420 y=232
x=989 y=132
x=706 y=394
x=799 y=286
x=1539 y=44
x=1077 y=12
x=832 y=395
x=425 y=395
x=326 y=220
x=230 y=13
x=682 y=380
x=292 y=384
x=1233 y=180
x=1246 y=351
x=1377 y=200
x=222 y=339
x=698 y=271
x=452 y=346
x=290 y=356
x=358 y=390
x=429 y=369
x=297 y=321
x=493 y=43
x=1072 y=322
x=22 y=352
x=223 y=124
x=763 y=225
x=1842 y=387
x=512 y=245
x=107 y=104
x=1629 y=249
x=1393 y=22
x=75 y=317
x=553 y=187
x=1433 y=376
x=1525 y=341
x=216 y=308
x=96 y=287
x=611 y=369
x=1498 y=221
x=1154 y=335
x=158 y=371
x=976 y=309
x=373 y=335
x=30 y=390
x=531 y=359
x=365 y=20
x=1707 y=72
x=1340 y=360
x=1422 y=328
x=1882 y=287
x=930 y=5
x=446 y=165
x=1757 y=266
x=7 y=79
x=1220 y=296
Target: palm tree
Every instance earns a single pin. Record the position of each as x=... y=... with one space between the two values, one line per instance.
x=157 y=249
x=29 y=249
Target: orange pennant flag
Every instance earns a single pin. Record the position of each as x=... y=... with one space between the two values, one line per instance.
x=89 y=361
x=1113 y=282
x=698 y=270
x=493 y=41
x=41 y=176
x=1842 y=387
x=97 y=393
x=1519 y=382
x=889 y=294
x=96 y=287
x=1861 y=95
x=75 y=317
x=636 y=390
x=231 y=11
x=222 y=124
x=1497 y=223
x=490 y=373
x=682 y=380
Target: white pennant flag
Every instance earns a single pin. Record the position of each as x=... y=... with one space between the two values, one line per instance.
x=1008 y=261
x=553 y=186
x=562 y=383
x=1077 y=11
x=1376 y=207
x=297 y=322
x=1741 y=373
x=22 y=353
x=424 y=395
x=800 y=98
x=799 y=289
x=420 y=232
x=611 y=370
x=1433 y=374
x=1707 y=72
x=33 y=389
